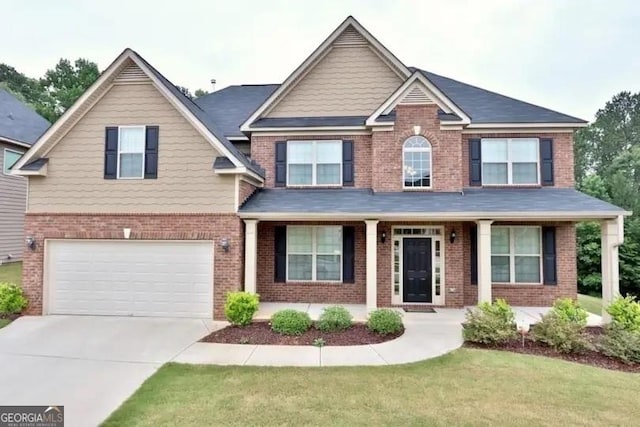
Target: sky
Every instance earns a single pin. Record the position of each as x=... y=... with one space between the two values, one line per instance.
x=570 y=56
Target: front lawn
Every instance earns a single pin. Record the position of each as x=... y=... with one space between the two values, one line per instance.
x=466 y=387
x=11 y=273
x=591 y=304
x=4 y=322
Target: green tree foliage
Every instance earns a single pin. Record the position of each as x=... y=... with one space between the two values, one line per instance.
x=607 y=166
x=201 y=92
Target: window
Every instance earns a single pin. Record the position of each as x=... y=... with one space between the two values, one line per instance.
x=416 y=163
x=10 y=159
x=314 y=253
x=131 y=148
x=515 y=255
x=314 y=162
x=510 y=161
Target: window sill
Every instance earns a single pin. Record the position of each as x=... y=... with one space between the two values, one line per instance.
x=511 y=186
x=315 y=283
x=516 y=285
x=321 y=187
x=417 y=189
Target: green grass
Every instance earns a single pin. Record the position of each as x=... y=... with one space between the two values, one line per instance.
x=4 y=322
x=591 y=304
x=11 y=272
x=466 y=387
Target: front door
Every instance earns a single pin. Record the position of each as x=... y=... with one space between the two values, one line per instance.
x=416 y=269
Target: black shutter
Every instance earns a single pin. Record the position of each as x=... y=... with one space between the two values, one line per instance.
x=151 y=153
x=281 y=164
x=111 y=153
x=546 y=161
x=475 y=162
x=348 y=254
x=280 y=238
x=549 y=256
x=347 y=163
x=473 y=236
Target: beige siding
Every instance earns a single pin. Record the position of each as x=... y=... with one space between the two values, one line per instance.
x=186 y=182
x=348 y=81
x=13 y=195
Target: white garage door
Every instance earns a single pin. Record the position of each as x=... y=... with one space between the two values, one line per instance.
x=130 y=278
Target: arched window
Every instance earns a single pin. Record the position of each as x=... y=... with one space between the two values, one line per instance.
x=416 y=163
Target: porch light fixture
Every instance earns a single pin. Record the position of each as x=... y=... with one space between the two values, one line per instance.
x=224 y=244
x=383 y=237
x=452 y=236
x=126 y=232
x=31 y=243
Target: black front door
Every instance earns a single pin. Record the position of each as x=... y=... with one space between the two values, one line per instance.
x=416 y=269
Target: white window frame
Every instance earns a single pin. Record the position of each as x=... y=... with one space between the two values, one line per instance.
x=5 y=169
x=144 y=131
x=512 y=255
x=509 y=162
x=314 y=163
x=314 y=254
x=428 y=150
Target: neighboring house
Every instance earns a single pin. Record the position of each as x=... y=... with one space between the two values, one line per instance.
x=369 y=182
x=20 y=127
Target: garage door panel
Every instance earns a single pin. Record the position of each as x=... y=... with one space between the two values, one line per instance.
x=139 y=278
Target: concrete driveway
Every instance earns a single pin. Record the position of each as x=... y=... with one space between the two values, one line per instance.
x=88 y=364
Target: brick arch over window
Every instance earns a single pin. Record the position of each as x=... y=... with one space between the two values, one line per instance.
x=416 y=163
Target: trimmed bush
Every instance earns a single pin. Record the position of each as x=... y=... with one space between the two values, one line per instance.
x=385 y=321
x=290 y=322
x=626 y=313
x=565 y=336
x=570 y=310
x=240 y=307
x=12 y=300
x=334 y=319
x=620 y=343
x=490 y=324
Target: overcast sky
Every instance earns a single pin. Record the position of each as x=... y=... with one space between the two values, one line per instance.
x=570 y=56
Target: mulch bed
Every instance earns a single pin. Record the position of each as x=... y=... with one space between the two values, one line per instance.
x=261 y=333
x=10 y=316
x=589 y=357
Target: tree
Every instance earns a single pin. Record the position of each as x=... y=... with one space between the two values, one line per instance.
x=21 y=86
x=201 y=92
x=64 y=84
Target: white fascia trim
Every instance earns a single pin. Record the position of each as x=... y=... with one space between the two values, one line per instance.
x=525 y=125
x=237 y=138
x=442 y=100
x=251 y=181
x=516 y=130
x=4 y=139
x=448 y=216
x=323 y=132
x=401 y=69
x=308 y=128
x=44 y=138
x=241 y=170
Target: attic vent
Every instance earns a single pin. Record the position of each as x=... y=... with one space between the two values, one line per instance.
x=131 y=73
x=417 y=95
x=350 y=37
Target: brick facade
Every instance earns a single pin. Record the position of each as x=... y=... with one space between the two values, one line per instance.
x=228 y=266
x=246 y=190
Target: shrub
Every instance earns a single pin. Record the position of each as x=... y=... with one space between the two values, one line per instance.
x=385 y=321
x=240 y=307
x=626 y=313
x=490 y=323
x=334 y=319
x=620 y=343
x=565 y=336
x=570 y=310
x=12 y=299
x=290 y=322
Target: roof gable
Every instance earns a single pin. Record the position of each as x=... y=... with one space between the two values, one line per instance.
x=19 y=124
x=350 y=63
x=131 y=67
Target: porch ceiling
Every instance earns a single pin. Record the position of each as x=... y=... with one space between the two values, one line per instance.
x=561 y=204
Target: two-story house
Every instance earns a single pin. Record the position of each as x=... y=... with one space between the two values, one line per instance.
x=20 y=127
x=357 y=180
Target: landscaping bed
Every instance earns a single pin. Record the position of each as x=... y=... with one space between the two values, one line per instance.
x=586 y=357
x=261 y=333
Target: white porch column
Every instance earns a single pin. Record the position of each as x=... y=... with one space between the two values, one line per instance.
x=484 y=260
x=372 y=264
x=612 y=236
x=250 y=255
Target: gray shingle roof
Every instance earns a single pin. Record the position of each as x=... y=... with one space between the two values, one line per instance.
x=524 y=200
x=484 y=106
x=36 y=165
x=223 y=163
x=18 y=121
x=206 y=120
x=231 y=106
